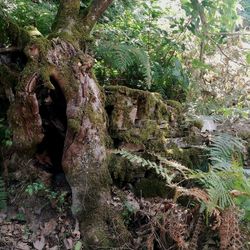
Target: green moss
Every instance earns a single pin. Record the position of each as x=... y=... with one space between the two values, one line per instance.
x=95 y=117
x=193 y=123
x=97 y=238
x=68 y=76
x=138 y=117
x=175 y=104
x=45 y=75
x=8 y=78
x=17 y=35
x=198 y=124
x=151 y=188
x=150 y=105
x=244 y=134
x=122 y=170
x=66 y=24
x=74 y=125
x=156 y=145
x=189 y=157
x=109 y=234
x=42 y=45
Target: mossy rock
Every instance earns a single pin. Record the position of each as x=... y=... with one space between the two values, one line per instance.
x=149 y=188
x=123 y=171
x=189 y=157
x=140 y=117
x=175 y=104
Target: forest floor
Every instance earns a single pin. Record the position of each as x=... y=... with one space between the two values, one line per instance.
x=39 y=216
x=39 y=220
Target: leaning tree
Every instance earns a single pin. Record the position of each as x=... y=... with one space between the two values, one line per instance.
x=57 y=80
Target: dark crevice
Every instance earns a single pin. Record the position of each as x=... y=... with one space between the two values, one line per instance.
x=16 y=60
x=52 y=108
x=109 y=110
x=140 y=108
x=117 y=142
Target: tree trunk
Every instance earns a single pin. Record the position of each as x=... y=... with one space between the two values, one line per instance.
x=59 y=109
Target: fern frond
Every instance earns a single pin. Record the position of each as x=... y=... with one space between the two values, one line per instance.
x=122 y=56
x=141 y=58
x=219 y=182
x=159 y=169
x=225 y=148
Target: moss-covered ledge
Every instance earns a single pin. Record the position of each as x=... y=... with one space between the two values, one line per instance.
x=141 y=122
x=141 y=117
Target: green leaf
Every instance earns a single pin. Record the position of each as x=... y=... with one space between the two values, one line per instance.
x=248 y=58
x=78 y=245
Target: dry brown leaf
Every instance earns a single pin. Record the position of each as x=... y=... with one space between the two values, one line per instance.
x=40 y=243
x=49 y=227
x=22 y=246
x=54 y=248
x=68 y=243
x=236 y=193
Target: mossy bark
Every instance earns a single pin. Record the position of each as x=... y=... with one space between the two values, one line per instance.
x=84 y=154
x=60 y=63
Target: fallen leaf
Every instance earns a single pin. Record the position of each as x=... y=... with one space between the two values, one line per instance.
x=237 y=193
x=40 y=243
x=54 y=248
x=78 y=245
x=68 y=243
x=49 y=227
x=22 y=246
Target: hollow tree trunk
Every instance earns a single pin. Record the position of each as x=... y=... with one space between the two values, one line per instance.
x=58 y=66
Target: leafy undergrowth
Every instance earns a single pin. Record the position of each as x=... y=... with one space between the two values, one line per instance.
x=159 y=223
x=38 y=217
x=34 y=221
x=204 y=209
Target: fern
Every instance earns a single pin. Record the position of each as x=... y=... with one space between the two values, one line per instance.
x=221 y=182
x=218 y=183
x=159 y=170
x=225 y=148
x=223 y=185
x=122 y=56
x=163 y=169
x=226 y=174
x=3 y=196
x=217 y=187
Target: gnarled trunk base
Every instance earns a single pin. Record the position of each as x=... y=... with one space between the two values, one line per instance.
x=58 y=80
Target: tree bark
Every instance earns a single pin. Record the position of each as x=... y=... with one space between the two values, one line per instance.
x=58 y=65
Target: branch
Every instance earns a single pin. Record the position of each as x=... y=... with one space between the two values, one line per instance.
x=224 y=54
x=68 y=11
x=230 y=33
x=95 y=10
x=9 y=50
x=199 y=8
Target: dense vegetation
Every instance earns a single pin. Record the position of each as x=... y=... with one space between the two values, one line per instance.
x=115 y=164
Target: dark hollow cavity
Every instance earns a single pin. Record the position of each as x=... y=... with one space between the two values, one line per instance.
x=52 y=108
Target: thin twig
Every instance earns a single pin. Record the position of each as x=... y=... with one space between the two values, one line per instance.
x=9 y=49
x=224 y=54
